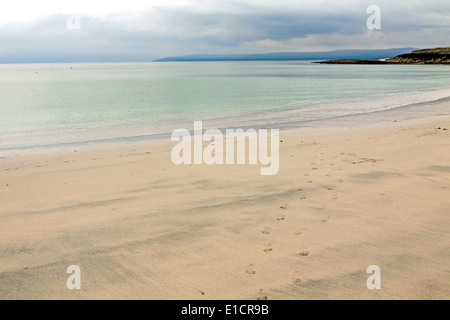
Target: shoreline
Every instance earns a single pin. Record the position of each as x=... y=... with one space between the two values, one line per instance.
x=140 y=227
x=409 y=111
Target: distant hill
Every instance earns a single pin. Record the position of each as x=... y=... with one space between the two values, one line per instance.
x=423 y=56
x=328 y=55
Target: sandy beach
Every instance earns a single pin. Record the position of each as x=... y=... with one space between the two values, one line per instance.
x=140 y=227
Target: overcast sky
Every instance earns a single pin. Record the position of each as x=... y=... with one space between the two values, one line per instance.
x=34 y=30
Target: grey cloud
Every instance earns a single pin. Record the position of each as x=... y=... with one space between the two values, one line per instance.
x=163 y=31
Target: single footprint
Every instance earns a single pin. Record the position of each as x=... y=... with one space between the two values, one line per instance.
x=297 y=279
x=250 y=269
x=262 y=298
x=304 y=252
x=261 y=295
x=324 y=220
x=298 y=233
x=302 y=198
x=268 y=248
x=281 y=218
x=334 y=197
x=306 y=175
x=283 y=207
x=266 y=231
x=310 y=181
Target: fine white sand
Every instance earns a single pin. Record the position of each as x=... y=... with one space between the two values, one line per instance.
x=140 y=227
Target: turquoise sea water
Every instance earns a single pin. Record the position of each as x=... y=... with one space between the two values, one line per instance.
x=45 y=105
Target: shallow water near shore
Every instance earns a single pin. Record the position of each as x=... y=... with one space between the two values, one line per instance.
x=51 y=105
